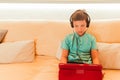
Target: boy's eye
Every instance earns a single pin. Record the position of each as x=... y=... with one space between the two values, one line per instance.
x=76 y=26
x=82 y=25
x=79 y=26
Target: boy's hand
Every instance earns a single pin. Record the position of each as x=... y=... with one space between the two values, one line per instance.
x=103 y=73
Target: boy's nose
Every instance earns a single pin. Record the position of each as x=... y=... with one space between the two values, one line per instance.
x=79 y=28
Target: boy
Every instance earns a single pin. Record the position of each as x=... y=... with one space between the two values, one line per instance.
x=79 y=47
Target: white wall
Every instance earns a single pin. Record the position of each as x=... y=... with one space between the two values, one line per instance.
x=60 y=1
x=44 y=11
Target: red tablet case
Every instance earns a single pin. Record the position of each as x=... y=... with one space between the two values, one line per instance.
x=80 y=71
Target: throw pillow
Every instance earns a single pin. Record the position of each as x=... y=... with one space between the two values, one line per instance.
x=2 y=34
x=19 y=51
x=109 y=55
x=59 y=52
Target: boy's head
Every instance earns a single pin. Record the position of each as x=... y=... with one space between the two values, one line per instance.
x=80 y=15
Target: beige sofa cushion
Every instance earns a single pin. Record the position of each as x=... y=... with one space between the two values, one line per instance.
x=50 y=36
x=109 y=55
x=19 y=51
x=47 y=34
x=105 y=30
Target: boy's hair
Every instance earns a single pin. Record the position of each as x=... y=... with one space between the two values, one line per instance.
x=80 y=15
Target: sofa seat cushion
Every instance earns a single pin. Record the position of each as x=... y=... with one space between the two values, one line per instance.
x=19 y=51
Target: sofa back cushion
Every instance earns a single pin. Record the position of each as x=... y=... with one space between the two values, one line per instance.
x=106 y=30
x=47 y=35
x=50 y=36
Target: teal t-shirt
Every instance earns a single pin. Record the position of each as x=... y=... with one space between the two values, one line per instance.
x=79 y=47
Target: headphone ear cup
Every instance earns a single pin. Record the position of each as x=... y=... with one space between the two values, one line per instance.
x=88 y=19
x=71 y=24
x=88 y=23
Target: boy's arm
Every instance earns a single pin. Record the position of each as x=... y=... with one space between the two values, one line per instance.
x=94 y=55
x=64 y=56
x=95 y=59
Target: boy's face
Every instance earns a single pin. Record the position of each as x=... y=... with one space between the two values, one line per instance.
x=80 y=27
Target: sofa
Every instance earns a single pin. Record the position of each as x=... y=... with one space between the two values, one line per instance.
x=30 y=50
